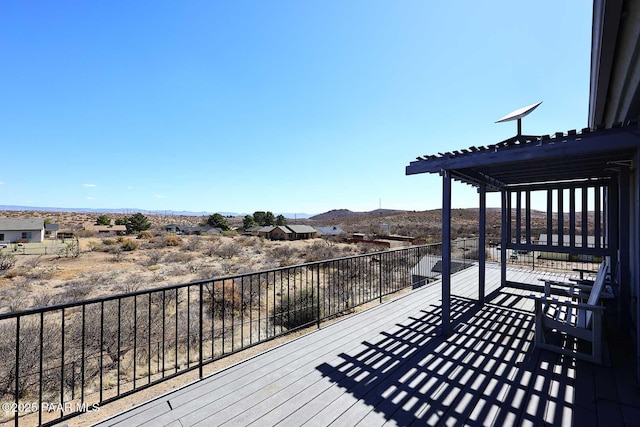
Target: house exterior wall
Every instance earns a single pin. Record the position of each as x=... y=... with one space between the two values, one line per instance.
x=14 y=236
x=278 y=234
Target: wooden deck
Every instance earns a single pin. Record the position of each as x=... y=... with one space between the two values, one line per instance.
x=388 y=365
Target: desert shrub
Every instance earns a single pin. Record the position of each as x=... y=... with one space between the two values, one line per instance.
x=153 y=243
x=249 y=241
x=319 y=251
x=131 y=283
x=192 y=243
x=28 y=357
x=223 y=298
x=75 y=290
x=69 y=249
x=94 y=246
x=128 y=245
x=7 y=261
x=32 y=262
x=40 y=273
x=15 y=272
x=172 y=240
x=146 y=234
x=44 y=300
x=283 y=255
x=177 y=257
x=206 y=273
x=230 y=233
x=155 y=257
x=15 y=299
x=224 y=250
x=109 y=242
x=298 y=308
x=116 y=253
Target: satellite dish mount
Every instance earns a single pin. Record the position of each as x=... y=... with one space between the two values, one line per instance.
x=518 y=115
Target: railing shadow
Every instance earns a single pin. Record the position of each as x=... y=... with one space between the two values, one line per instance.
x=486 y=372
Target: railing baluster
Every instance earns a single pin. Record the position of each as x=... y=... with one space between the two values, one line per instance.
x=188 y=325
x=101 y=357
x=40 y=368
x=175 y=341
x=82 y=359
x=242 y=312
x=149 y=334
x=164 y=299
x=200 y=323
x=118 y=349
x=135 y=337
x=62 y=364
x=17 y=384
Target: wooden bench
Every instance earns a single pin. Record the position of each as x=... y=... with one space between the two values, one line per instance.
x=572 y=319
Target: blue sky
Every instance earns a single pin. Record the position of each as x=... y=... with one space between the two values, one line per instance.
x=288 y=106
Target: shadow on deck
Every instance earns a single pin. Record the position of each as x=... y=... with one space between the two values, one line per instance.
x=487 y=372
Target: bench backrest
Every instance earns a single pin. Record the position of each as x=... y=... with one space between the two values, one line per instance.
x=596 y=290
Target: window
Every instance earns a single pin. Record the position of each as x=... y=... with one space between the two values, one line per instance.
x=1 y=237
x=26 y=235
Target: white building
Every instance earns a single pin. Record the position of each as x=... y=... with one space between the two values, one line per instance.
x=21 y=230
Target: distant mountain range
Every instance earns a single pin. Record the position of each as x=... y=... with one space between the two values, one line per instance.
x=132 y=210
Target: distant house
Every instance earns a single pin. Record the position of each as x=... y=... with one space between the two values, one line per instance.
x=51 y=231
x=303 y=232
x=112 y=228
x=287 y=232
x=21 y=230
x=281 y=232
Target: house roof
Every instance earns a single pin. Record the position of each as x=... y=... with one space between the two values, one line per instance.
x=283 y=228
x=10 y=224
x=51 y=227
x=529 y=159
x=300 y=229
x=266 y=229
x=614 y=93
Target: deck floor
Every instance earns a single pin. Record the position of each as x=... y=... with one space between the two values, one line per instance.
x=389 y=366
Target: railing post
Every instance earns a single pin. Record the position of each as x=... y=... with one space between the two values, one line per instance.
x=318 y=295
x=201 y=332
x=17 y=385
x=380 y=279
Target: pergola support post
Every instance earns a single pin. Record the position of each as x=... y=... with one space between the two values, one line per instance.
x=446 y=252
x=624 y=300
x=482 y=241
x=503 y=237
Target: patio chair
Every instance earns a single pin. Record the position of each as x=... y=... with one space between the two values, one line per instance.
x=560 y=324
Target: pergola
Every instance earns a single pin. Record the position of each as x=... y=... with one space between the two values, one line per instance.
x=582 y=169
x=595 y=168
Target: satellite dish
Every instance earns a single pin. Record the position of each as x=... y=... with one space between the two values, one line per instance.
x=518 y=115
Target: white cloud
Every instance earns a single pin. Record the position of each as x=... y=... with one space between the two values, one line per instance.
x=159 y=196
x=90 y=198
x=89 y=185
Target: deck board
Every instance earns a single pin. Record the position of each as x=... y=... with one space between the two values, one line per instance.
x=389 y=365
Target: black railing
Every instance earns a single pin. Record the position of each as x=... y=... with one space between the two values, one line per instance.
x=63 y=360
x=546 y=260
